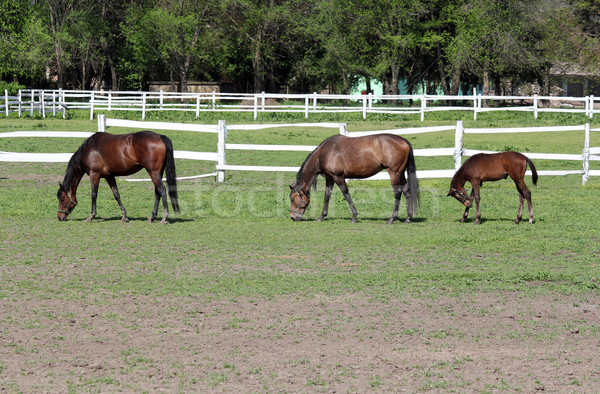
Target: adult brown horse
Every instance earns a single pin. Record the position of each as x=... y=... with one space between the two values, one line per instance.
x=492 y=167
x=105 y=155
x=340 y=157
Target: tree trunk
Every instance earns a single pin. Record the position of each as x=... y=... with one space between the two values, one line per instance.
x=258 y=67
x=486 y=83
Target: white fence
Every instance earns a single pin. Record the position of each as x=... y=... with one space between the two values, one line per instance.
x=219 y=157
x=58 y=101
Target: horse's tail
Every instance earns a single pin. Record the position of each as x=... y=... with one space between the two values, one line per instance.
x=413 y=182
x=169 y=166
x=534 y=174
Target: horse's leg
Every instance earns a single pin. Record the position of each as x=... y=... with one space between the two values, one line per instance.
x=398 y=190
x=466 y=213
x=341 y=182
x=475 y=192
x=328 y=187
x=94 y=180
x=112 y=182
x=159 y=192
x=524 y=193
x=408 y=197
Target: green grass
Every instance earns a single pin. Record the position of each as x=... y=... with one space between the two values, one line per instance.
x=235 y=239
x=234 y=243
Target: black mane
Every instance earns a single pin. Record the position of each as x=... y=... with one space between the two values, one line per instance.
x=75 y=168
x=301 y=171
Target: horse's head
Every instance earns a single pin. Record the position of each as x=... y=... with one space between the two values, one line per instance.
x=299 y=201
x=462 y=196
x=67 y=201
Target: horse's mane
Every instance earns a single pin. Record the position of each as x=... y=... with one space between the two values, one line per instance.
x=456 y=177
x=302 y=167
x=75 y=168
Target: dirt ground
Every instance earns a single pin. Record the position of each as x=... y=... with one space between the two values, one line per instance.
x=475 y=343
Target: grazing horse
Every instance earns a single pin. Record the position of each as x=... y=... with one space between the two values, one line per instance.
x=340 y=157
x=492 y=167
x=105 y=155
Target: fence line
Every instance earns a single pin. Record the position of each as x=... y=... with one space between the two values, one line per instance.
x=219 y=157
x=61 y=100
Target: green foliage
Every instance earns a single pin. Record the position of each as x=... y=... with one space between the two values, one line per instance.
x=294 y=45
x=12 y=87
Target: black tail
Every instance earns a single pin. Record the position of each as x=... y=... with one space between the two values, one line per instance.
x=534 y=175
x=413 y=182
x=170 y=170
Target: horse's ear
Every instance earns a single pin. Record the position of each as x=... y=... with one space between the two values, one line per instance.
x=292 y=186
x=449 y=194
x=60 y=186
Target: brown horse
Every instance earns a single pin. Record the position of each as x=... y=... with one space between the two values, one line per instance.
x=340 y=157
x=105 y=156
x=492 y=167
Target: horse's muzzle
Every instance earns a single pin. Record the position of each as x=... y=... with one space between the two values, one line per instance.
x=296 y=217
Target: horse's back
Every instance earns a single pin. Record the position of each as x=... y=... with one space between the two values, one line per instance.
x=125 y=154
x=363 y=156
x=495 y=166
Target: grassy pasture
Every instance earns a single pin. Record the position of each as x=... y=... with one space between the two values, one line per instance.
x=234 y=250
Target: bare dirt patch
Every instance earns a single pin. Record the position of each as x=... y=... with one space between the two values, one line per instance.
x=482 y=342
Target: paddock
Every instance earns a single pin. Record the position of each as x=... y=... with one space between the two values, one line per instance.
x=233 y=296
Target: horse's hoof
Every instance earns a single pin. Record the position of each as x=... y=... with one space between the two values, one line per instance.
x=150 y=220
x=125 y=219
x=88 y=220
x=320 y=219
x=164 y=221
x=353 y=220
x=407 y=220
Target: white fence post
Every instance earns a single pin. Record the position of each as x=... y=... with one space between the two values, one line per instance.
x=54 y=103
x=535 y=106
x=20 y=97
x=101 y=123
x=474 y=103
x=197 y=105
x=6 y=102
x=32 y=102
x=61 y=98
x=586 y=155
x=110 y=101
x=306 y=102
x=458 y=144
x=255 y=107
x=144 y=106
x=92 y=106
x=222 y=136
x=42 y=103
x=423 y=107
x=343 y=130
x=364 y=111
x=314 y=101
x=591 y=106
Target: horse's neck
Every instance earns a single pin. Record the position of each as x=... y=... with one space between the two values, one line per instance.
x=309 y=173
x=459 y=180
x=71 y=182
